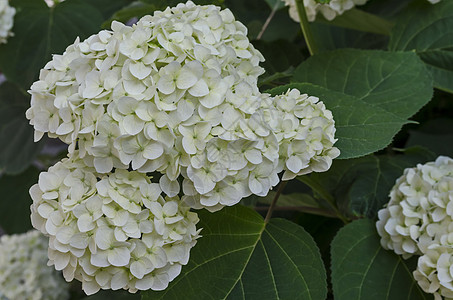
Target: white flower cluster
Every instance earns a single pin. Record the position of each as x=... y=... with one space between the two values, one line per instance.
x=418 y=220
x=305 y=132
x=23 y=270
x=111 y=231
x=6 y=20
x=329 y=11
x=434 y=273
x=177 y=94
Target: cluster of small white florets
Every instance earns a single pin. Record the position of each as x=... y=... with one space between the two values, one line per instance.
x=329 y=11
x=418 y=220
x=305 y=132
x=24 y=273
x=111 y=231
x=176 y=93
x=6 y=20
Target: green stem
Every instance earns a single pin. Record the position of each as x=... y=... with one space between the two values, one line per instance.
x=274 y=201
x=305 y=26
x=324 y=195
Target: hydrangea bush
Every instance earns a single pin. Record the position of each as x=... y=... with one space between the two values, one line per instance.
x=219 y=150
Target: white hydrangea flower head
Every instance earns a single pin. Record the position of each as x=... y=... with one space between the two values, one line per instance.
x=434 y=273
x=111 y=231
x=156 y=95
x=305 y=132
x=24 y=273
x=329 y=11
x=420 y=210
x=6 y=20
x=177 y=94
x=148 y=85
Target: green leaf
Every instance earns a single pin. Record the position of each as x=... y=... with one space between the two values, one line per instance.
x=362 y=21
x=15 y=201
x=362 y=128
x=395 y=81
x=17 y=149
x=363 y=270
x=428 y=29
x=40 y=31
x=361 y=186
x=241 y=257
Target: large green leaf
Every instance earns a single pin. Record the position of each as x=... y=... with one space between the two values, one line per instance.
x=395 y=81
x=361 y=186
x=362 y=128
x=428 y=29
x=40 y=31
x=17 y=148
x=363 y=270
x=15 y=201
x=241 y=257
